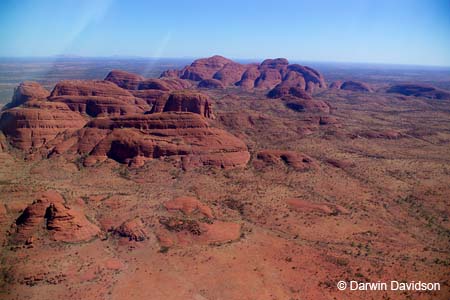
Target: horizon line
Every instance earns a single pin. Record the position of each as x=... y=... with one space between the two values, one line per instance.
x=69 y=56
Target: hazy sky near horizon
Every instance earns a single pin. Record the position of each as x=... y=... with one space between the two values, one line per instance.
x=375 y=31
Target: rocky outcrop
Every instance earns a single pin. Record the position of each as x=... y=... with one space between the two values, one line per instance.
x=210 y=84
x=37 y=122
x=189 y=228
x=328 y=120
x=271 y=72
x=281 y=158
x=166 y=84
x=185 y=101
x=125 y=80
x=98 y=88
x=230 y=73
x=97 y=98
x=69 y=225
x=188 y=206
x=249 y=77
x=291 y=78
x=132 y=82
x=27 y=91
x=420 y=90
x=313 y=106
x=156 y=118
x=282 y=90
x=49 y=212
x=95 y=106
x=134 y=139
x=204 y=68
x=132 y=229
x=171 y=73
x=355 y=86
x=33 y=215
x=3 y=143
x=336 y=85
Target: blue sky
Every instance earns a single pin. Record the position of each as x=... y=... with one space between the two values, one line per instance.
x=378 y=31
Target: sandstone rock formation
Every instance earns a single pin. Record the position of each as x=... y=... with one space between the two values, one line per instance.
x=188 y=205
x=328 y=120
x=279 y=158
x=103 y=106
x=283 y=90
x=160 y=119
x=68 y=225
x=420 y=90
x=132 y=82
x=36 y=122
x=124 y=79
x=98 y=88
x=204 y=68
x=3 y=143
x=336 y=85
x=150 y=96
x=230 y=73
x=27 y=91
x=136 y=138
x=211 y=84
x=302 y=105
x=249 y=77
x=132 y=229
x=185 y=101
x=167 y=84
x=63 y=223
x=32 y=217
x=355 y=86
x=97 y=98
x=190 y=229
x=289 y=79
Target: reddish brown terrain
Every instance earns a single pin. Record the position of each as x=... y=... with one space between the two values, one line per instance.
x=223 y=180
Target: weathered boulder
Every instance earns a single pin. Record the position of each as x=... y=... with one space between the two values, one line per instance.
x=132 y=229
x=49 y=212
x=33 y=215
x=69 y=225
